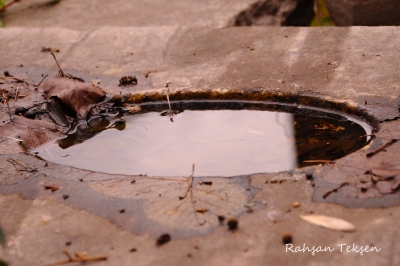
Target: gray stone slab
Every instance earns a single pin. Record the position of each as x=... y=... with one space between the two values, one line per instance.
x=355 y=63
x=83 y=15
x=351 y=65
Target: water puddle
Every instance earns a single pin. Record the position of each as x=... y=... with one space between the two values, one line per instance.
x=226 y=138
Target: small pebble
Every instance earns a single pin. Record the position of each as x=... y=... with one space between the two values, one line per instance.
x=233 y=223
x=163 y=239
x=287 y=238
x=296 y=204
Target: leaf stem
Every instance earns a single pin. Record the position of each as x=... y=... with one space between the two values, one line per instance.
x=190 y=183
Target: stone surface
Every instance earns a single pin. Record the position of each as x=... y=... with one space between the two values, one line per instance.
x=221 y=13
x=364 y=12
x=83 y=15
x=346 y=64
x=356 y=65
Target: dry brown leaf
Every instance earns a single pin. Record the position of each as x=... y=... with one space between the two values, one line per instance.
x=32 y=133
x=345 y=170
x=329 y=222
x=361 y=191
x=390 y=130
x=396 y=183
x=76 y=95
x=385 y=172
x=359 y=176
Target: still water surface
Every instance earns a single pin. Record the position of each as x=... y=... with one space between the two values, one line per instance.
x=218 y=142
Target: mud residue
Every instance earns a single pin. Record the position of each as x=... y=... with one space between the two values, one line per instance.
x=257 y=94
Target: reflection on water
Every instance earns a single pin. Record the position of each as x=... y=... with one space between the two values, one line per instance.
x=218 y=142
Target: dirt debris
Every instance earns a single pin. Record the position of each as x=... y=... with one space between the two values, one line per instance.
x=163 y=239
x=233 y=224
x=128 y=80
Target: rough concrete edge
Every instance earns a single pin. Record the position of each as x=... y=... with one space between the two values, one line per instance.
x=258 y=94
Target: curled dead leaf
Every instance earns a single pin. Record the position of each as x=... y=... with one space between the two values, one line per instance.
x=73 y=93
x=385 y=173
x=329 y=222
x=31 y=133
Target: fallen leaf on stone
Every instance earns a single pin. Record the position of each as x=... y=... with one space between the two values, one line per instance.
x=384 y=173
x=360 y=176
x=56 y=113
x=366 y=190
x=32 y=133
x=22 y=166
x=329 y=222
x=347 y=169
x=73 y=93
x=198 y=211
x=390 y=130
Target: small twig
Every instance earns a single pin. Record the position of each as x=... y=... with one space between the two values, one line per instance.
x=326 y=194
x=194 y=209
x=16 y=93
x=61 y=72
x=18 y=79
x=37 y=86
x=318 y=161
x=68 y=255
x=78 y=259
x=169 y=104
x=189 y=184
x=170 y=112
x=381 y=148
x=5 y=96
x=369 y=135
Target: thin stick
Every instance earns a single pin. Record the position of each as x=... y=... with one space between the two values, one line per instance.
x=326 y=194
x=70 y=258
x=78 y=259
x=5 y=96
x=169 y=104
x=41 y=81
x=194 y=209
x=189 y=184
x=16 y=93
x=318 y=161
x=369 y=135
x=381 y=148
x=61 y=72
x=17 y=79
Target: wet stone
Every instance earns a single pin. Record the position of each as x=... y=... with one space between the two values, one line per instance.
x=220 y=138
